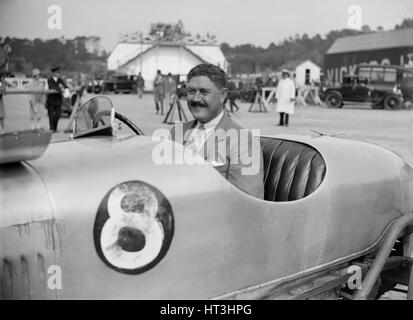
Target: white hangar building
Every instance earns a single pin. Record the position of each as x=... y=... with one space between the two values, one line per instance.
x=305 y=71
x=147 y=54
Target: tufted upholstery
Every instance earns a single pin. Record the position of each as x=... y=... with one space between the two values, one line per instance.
x=292 y=170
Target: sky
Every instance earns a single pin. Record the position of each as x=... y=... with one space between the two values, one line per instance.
x=258 y=22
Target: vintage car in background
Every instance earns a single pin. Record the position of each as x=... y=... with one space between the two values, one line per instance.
x=95 y=217
x=95 y=86
x=383 y=86
x=120 y=83
x=113 y=83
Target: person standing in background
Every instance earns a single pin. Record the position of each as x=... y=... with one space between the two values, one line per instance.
x=54 y=100
x=81 y=86
x=285 y=96
x=140 y=85
x=170 y=90
x=2 y=108
x=159 y=91
x=36 y=101
x=232 y=95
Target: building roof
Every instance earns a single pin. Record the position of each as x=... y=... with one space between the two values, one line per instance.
x=124 y=52
x=373 y=41
x=127 y=52
x=210 y=54
x=292 y=65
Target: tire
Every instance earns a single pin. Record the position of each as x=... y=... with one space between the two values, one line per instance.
x=333 y=100
x=392 y=102
x=247 y=96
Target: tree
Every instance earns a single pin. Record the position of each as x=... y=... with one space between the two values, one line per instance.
x=247 y=58
x=406 y=23
x=81 y=54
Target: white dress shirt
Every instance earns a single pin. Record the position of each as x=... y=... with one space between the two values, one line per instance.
x=201 y=132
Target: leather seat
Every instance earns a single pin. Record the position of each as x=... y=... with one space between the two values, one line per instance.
x=292 y=170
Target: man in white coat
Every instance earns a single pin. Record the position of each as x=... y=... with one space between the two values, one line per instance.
x=285 y=96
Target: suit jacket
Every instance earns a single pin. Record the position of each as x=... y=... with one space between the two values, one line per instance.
x=55 y=98
x=159 y=86
x=234 y=164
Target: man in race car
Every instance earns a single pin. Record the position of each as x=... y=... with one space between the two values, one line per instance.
x=232 y=150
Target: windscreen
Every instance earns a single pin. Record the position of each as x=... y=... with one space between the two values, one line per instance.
x=97 y=113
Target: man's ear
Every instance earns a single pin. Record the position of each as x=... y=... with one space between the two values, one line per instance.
x=224 y=93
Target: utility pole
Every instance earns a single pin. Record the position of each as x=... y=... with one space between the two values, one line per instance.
x=141 y=58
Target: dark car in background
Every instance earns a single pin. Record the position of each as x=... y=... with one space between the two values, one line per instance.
x=120 y=84
x=95 y=86
x=384 y=86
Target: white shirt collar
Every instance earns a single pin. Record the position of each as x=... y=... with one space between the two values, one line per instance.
x=55 y=78
x=213 y=123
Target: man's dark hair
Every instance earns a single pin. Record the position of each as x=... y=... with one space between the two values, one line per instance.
x=214 y=73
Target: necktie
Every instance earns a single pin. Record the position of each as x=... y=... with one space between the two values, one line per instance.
x=195 y=141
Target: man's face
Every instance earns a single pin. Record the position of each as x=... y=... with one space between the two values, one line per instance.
x=205 y=99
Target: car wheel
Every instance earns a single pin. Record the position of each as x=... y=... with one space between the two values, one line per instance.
x=334 y=100
x=246 y=96
x=392 y=102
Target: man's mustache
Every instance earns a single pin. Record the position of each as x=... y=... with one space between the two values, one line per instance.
x=197 y=104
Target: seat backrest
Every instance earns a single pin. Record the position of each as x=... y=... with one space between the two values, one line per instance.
x=292 y=170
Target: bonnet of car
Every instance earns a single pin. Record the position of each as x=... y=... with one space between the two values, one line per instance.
x=292 y=170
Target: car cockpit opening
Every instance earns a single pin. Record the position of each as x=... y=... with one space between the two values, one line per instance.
x=292 y=170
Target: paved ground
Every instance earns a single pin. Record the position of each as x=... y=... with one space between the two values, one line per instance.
x=391 y=129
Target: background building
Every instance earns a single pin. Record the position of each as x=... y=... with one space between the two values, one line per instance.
x=166 y=47
x=305 y=71
x=391 y=47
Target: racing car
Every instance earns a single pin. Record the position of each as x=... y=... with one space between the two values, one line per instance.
x=94 y=217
